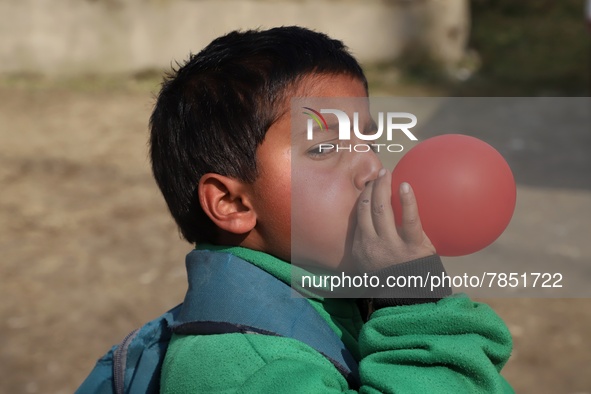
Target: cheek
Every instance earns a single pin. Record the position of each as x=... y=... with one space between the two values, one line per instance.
x=321 y=227
x=321 y=209
x=275 y=194
x=321 y=191
x=279 y=201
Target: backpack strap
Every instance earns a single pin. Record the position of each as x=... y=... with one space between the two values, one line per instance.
x=241 y=297
x=226 y=295
x=140 y=355
x=133 y=366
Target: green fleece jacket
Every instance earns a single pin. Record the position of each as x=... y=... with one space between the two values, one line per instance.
x=454 y=345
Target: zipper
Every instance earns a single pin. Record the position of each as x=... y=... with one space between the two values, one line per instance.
x=120 y=362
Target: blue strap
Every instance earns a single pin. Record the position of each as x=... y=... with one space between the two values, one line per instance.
x=241 y=295
x=226 y=294
x=133 y=366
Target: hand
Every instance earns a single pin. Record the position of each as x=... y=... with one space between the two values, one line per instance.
x=377 y=242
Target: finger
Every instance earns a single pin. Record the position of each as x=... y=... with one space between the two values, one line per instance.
x=381 y=208
x=411 y=229
x=364 y=220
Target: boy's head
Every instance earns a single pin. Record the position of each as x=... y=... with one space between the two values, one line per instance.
x=213 y=114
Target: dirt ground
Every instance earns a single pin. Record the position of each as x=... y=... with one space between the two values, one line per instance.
x=89 y=252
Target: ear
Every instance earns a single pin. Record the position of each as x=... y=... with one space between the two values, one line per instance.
x=227 y=203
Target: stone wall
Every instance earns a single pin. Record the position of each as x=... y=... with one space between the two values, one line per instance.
x=64 y=37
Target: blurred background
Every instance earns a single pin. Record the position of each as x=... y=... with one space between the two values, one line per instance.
x=88 y=250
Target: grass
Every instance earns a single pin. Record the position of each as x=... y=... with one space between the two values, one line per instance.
x=528 y=47
x=517 y=48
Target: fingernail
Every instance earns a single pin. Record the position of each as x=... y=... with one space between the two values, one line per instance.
x=382 y=172
x=405 y=187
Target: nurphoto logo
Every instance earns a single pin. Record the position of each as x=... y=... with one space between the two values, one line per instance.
x=392 y=122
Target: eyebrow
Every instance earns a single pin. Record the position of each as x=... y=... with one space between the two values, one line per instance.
x=302 y=131
x=334 y=126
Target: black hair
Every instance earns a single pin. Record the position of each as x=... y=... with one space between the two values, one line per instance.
x=213 y=112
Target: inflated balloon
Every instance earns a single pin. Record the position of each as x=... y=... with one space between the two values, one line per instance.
x=464 y=188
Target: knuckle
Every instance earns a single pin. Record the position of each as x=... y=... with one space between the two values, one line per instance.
x=378 y=209
x=363 y=203
x=411 y=221
x=373 y=250
x=365 y=250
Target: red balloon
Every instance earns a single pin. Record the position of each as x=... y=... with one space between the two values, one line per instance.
x=464 y=188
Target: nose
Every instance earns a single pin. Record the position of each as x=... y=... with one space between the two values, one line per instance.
x=366 y=166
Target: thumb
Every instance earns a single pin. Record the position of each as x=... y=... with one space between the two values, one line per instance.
x=411 y=230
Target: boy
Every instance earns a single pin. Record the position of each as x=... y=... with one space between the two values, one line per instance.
x=222 y=150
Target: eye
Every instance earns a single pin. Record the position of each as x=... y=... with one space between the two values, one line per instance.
x=321 y=150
